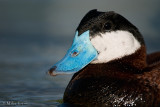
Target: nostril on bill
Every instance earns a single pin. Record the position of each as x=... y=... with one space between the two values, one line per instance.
x=51 y=71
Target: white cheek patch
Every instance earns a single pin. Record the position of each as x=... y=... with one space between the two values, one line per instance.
x=114 y=45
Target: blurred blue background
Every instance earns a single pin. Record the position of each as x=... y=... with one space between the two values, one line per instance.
x=34 y=34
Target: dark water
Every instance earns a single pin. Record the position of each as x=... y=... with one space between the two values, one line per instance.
x=23 y=65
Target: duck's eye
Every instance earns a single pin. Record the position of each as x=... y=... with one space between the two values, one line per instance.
x=75 y=53
x=107 y=26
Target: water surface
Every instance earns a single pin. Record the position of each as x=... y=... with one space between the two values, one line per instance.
x=23 y=66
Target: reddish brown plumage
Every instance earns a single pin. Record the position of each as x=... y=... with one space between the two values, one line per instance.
x=153 y=58
x=135 y=78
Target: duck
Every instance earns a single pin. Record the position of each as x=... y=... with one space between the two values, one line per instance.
x=110 y=64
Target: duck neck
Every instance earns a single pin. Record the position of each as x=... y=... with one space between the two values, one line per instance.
x=132 y=64
x=136 y=60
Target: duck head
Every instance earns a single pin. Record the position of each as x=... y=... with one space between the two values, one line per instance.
x=100 y=37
